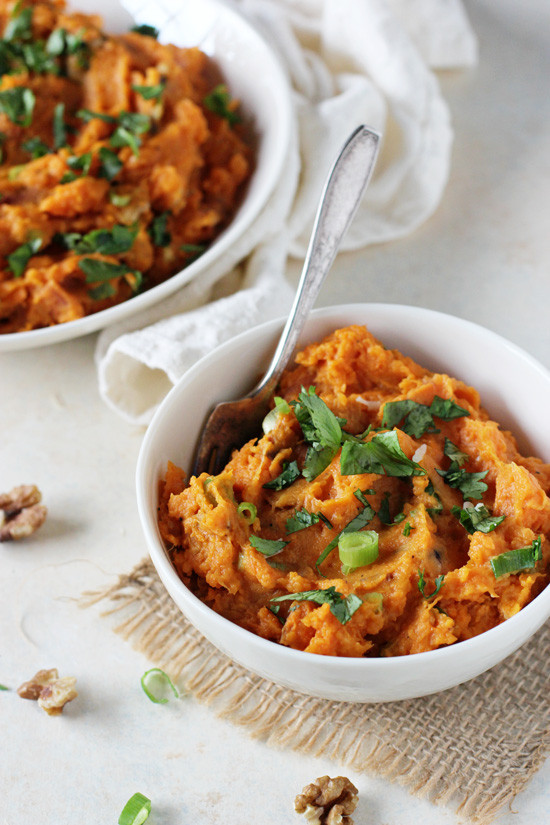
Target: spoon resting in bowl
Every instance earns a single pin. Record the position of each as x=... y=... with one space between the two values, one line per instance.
x=232 y=423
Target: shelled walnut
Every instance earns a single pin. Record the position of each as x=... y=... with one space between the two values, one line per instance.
x=51 y=692
x=328 y=801
x=21 y=512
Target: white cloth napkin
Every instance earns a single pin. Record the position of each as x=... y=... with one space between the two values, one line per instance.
x=349 y=62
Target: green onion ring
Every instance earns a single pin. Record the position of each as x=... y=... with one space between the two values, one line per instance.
x=357 y=549
x=157 y=675
x=136 y=810
x=248 y=511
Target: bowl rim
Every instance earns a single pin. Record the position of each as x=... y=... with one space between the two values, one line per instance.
x=171 y=580
x=282 y=128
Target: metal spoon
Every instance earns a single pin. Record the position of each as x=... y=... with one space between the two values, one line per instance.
x=232 y=423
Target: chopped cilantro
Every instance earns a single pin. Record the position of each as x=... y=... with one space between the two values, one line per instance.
x=289 y=474
x=301 y=519
x=407 y=529
x=381 y=455
x=102 y=291
x=417 y=418
x=145 y=30
x=422 y=584
x=452 y=452
x=477 y=517
x=469 y=484
x=112 y=241
x=321 y=429
x=110 y=163
x=18 y=105
x=218 y=101
x=36 y=147
x=158 y=230
x=193 y=249
x=86 y=115
x=96 y=270
x=18 y=260
x=267 y=547
x=150 y=92
x=59 y=127
x=19 y=26
x=80 y=163
x=341 y=607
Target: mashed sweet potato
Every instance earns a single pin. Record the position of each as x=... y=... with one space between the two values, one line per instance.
x=120 y=159
x=381 y=445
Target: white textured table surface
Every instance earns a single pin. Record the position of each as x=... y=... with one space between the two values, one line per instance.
x=483 y=256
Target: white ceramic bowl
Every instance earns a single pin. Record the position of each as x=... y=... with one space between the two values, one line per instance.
x=514 y=388
x=254 y=75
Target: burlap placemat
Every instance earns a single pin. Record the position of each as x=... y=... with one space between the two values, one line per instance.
x=473 y=747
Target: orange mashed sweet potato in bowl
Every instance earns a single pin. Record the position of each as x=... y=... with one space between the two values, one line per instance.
x=121 y=160
x=381 y=513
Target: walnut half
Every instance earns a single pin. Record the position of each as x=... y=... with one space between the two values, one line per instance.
x=328 y=801
x=51 y=692
x=20 y=512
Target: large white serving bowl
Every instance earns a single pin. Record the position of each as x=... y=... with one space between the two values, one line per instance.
x=255 y=76
x=514 y=388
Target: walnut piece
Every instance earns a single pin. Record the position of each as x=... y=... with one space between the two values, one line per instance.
x=51 y=692
x=328 y=801
x=21 y=512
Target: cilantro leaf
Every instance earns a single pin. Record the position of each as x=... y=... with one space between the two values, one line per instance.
x=452 y=452
x=422 y=584
x=477 y=517
x=267 y=547
x=81 y=163
x=102 y=291
x=381 y=455
x=96 y=270
x=419 y=418
x=145 y=30
x=469 y=484
x=218 y=101
x=289 y=474
x=59 y=127
x=18 y=105
x=341 y=607
x=19 y=258
x=36 y=147
x=19 y=26
x=112 y=241
x=446 y=409
x=321 y=428
x=110 y=163
x=158 y=230
x=300 y=520
x=150 y=92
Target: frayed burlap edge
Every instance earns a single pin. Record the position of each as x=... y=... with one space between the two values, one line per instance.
x=474 y=747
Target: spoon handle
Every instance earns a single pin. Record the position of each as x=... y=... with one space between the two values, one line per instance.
x=341 y=196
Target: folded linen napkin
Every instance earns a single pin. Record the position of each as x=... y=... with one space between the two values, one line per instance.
x=348 y=62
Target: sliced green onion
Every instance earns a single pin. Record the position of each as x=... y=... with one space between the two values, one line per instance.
x=248 y=511
x=136 y=810
x=156 y=685
x=522 y=558
x=3 y=687
x=281 y=408
x=357 y=549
